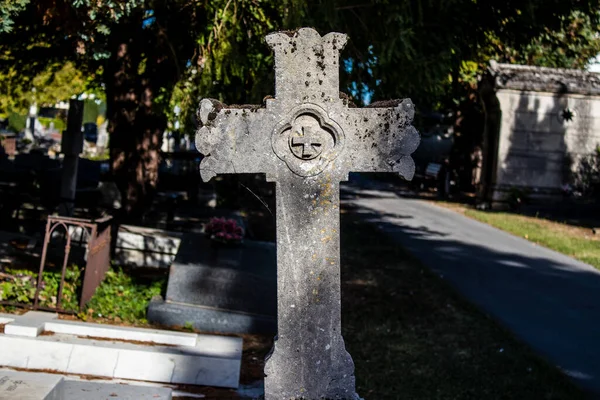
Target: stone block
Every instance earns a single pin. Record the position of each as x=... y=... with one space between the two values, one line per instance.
x=80 y=390
x=92 y=360
x=48 y=355
x=17 y=385
x=210 y=320
x=533 y=123
x=185 y=366
x=23 y=330
x=146 y=247
x=218 y=346
x=12 y=354
x=221 y=372
x=144 y=366
x=30 y=324
x=122 y=333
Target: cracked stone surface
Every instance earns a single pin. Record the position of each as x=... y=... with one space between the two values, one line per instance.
x=306 y=140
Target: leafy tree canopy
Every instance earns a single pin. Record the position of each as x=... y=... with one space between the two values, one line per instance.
x=397 y=48
x=58 y=82
x=150 y=55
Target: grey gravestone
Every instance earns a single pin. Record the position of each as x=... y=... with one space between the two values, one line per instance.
x=29 y=386
x=307 y=140
x=220 y=289
x=71 y=147
x=84 y=390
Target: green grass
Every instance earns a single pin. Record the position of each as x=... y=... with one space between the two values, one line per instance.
x=19 y=286
x=575 y=242
x=412 y=337
x=121 y=298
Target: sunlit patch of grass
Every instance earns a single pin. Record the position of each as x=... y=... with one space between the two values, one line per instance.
x=576 y=242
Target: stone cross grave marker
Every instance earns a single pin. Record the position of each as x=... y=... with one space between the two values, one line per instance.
x=306 y=140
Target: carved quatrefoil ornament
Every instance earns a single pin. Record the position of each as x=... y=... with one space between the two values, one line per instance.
x=307 y=140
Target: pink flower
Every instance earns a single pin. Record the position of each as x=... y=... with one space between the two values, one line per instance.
x=224 y=229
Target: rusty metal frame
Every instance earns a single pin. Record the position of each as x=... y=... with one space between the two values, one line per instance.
x=98 y=234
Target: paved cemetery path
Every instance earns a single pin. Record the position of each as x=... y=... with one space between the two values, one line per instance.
x=549 y=300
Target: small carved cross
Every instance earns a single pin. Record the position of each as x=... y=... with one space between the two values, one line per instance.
x=306 y=140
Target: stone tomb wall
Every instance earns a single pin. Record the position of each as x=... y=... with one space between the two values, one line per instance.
x=538 y=148
x=545 y=129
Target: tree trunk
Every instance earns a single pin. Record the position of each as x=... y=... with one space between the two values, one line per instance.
x=135 y=127
x=146 y=60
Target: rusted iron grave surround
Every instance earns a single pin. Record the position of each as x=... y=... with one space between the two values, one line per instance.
x=98 y=235
x=306 y=140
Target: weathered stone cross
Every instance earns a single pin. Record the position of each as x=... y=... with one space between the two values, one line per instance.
x=307 y=140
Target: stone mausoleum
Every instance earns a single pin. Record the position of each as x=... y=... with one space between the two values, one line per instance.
x=539 y=123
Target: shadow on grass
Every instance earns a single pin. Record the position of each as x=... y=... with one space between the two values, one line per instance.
x=413 y=337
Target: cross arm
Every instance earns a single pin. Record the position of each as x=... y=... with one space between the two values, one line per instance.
x=233 y=140
x=381 y=138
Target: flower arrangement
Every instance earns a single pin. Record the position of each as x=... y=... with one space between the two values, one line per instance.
x=224 y=230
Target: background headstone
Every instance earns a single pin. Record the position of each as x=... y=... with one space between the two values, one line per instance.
x=71 y=147
x=216 y=288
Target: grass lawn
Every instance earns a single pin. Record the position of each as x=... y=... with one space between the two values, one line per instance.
x=412 y=337
x=579 y=243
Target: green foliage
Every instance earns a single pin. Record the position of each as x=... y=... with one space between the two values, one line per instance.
x=104 y=156
x=401 y=48
x=57 y=82
x=20 y=285
x=122 y=298
x=571 y=45
x=15 y=91
x=21 y=290
x=417 y=48
x=119 y=298
x=91 y=111
x=233 y=63
x=59 y=124
x=16 y=122
x=7 y=9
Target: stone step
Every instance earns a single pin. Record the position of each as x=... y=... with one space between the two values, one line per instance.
x=112 y=359
x=122 y=333
x=33 y=323
x=119 y=352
